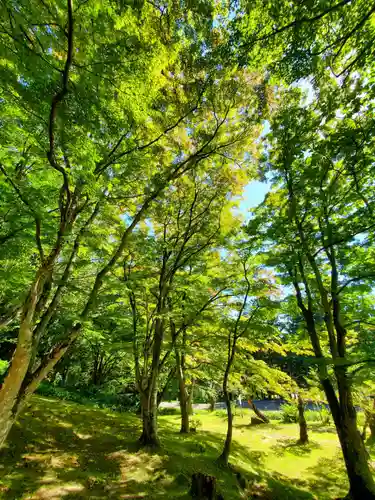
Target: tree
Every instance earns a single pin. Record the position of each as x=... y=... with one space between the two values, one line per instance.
x=184 y=226
x=301 y=40
x=253 y=292
x=313 y=217
x=83 y=145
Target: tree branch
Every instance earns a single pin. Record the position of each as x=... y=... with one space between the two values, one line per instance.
x=57 y=99
x=298 y=22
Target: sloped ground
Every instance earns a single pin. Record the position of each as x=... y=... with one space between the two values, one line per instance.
x=61 y=450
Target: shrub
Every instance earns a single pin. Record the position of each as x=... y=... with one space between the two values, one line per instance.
x=325 y=416
x=273 y=414
x=3 y=367
x=289 y=413
x=116 y=402
x=360 y=418
x=169 y=411
x=195 y=423
x=221 y=413
x=312 y=416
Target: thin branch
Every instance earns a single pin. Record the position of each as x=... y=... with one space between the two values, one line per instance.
x=57 y=99
x=298 y=22
x=31 y=209
x=103 y=165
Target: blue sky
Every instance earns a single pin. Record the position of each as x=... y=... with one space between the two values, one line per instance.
x=255 y=191
x=253 y=194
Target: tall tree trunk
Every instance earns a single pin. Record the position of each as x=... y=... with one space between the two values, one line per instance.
x=353 y=449
x=185 y=417
x=343 y=412
x=183 y=395
x=190 y=398
x=149 y=436
x=303 y=436
x=231 y=351
x=212 y=403
x=257 y=412
x=224 y=457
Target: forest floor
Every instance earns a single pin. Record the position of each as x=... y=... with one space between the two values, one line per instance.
x=61 y=450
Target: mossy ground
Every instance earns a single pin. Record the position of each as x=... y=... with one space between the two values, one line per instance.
x=61 y=450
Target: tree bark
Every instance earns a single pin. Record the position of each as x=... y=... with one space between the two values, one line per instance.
x=149 y=397
x=343 y=411
x=257 y=412
x=9 y=393
x=190 y=398
x=212 y=403
x=303 y=436
x=183 y=395
x=371 y=422
x=185 y=420
x=203 y=487
x=149 y=436
x=231 y=351
x=353 y=448
x=224 y=457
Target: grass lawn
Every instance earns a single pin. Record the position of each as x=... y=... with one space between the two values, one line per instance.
x=61 y=450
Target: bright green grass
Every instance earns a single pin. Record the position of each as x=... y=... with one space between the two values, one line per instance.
x=61 y=450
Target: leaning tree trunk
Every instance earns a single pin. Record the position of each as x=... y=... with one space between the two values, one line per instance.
x=355 y=456
x=9 y=394
x=303 y=436
x=11 y=388
x=257 y=412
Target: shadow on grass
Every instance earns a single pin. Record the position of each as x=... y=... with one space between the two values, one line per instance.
x=249 y=426
x=322 y=428
x=327 y=475
x=65 y=450
x=283 y=446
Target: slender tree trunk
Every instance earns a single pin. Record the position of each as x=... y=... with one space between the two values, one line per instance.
x=258 y=413
x=185 y=420
x=182 y=395
x=190 y=398
x=149 y=436
x=212 y=403
x=231 y=351
x=353 y=449
x=224 y=457
x=303 y=436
